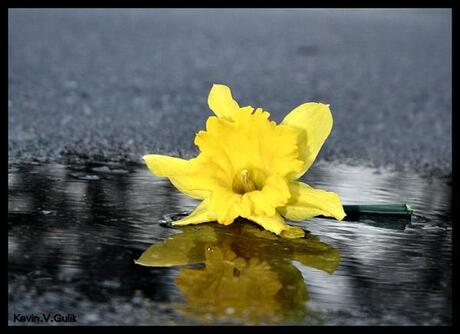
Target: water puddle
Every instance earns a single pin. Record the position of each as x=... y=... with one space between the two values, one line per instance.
x=75 y=231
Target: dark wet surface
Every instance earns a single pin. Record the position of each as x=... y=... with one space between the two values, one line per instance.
x=74 y=233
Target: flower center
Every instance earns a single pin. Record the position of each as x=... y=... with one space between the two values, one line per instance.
x=248 y=180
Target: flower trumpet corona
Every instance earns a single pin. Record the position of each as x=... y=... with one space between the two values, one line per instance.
x=248 y=166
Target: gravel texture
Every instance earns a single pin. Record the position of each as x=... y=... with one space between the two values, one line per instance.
x=117 y=84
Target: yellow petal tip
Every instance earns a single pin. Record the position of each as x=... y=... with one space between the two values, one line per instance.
x=217 y=85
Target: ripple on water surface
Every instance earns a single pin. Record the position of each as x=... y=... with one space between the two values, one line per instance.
x=75 y=231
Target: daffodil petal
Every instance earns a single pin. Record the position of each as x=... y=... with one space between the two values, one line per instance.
x=201 y=214
x=264 y=202
x=226 y=205
x=180 y=173
x=275 y=223
x=221 y=102
x=163 y=165
x=250 y=142
x=313 y=122
x=307 y=202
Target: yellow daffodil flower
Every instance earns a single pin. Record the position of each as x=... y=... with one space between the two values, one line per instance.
x=248 y=166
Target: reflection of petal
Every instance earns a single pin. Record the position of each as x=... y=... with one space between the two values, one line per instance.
x=248 y=272
x=179 y=249
x=315 y=254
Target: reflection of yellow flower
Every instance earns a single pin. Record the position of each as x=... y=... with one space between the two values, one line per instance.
x=231 y=286
x=247 y=275
x=248 y=166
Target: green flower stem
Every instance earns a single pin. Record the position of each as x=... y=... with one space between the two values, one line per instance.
x=392 y=216
x=380 y=209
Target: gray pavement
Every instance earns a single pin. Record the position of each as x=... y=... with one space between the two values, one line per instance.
x=117 y=84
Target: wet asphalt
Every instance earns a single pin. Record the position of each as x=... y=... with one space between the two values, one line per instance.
x=117 y=84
